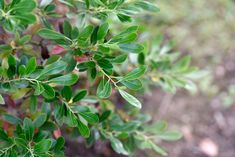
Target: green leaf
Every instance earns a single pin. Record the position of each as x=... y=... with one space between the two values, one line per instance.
x=31 y=65
x=105 y=115
x=66 y=92
x=132 y=84
x=147 y=6
x=12 y=119
x=169 y=136
x=59 y=144
x=105 y=64
x=50 y=34
x=124 y=18
x=24 y=6
x=39 y=89
x=119 y=59
x=65 y=80
x=132 y=48
x=103 y=30
x=80 y=95
x=67 y=28
x=53 y=68
x=89 y=117
x=33 y=103
x=83 y=129
x=104 y=89
x=118 y=146
x=2 y=100
x=43 y=146
x=48 y=92
x=136 y=73
x=40 y=120
x=28 y=128
x=22 y=69
x=3 y=135
x=86 y=32
x=129 y=98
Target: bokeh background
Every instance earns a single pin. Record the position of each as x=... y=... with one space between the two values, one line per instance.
x=204 y=29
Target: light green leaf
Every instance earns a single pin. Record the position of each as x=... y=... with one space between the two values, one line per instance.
x=2 y=100
x=104 y=89
x=118 y=146
x=50 y=34
x=131 y=99
x=31 y=65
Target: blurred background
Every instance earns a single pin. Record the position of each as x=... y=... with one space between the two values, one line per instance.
x=204 y=29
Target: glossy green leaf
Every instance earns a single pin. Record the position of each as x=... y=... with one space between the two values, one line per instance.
x=131 y=99
x=119 y=59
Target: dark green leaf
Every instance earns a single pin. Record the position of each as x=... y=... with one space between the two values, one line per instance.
x=80 y=95
x=66 y=92
x=59 y=144
x=105 y=64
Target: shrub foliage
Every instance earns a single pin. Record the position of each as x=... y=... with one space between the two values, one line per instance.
x=78 y=70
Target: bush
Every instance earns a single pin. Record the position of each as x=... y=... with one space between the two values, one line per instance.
x=70 y=65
